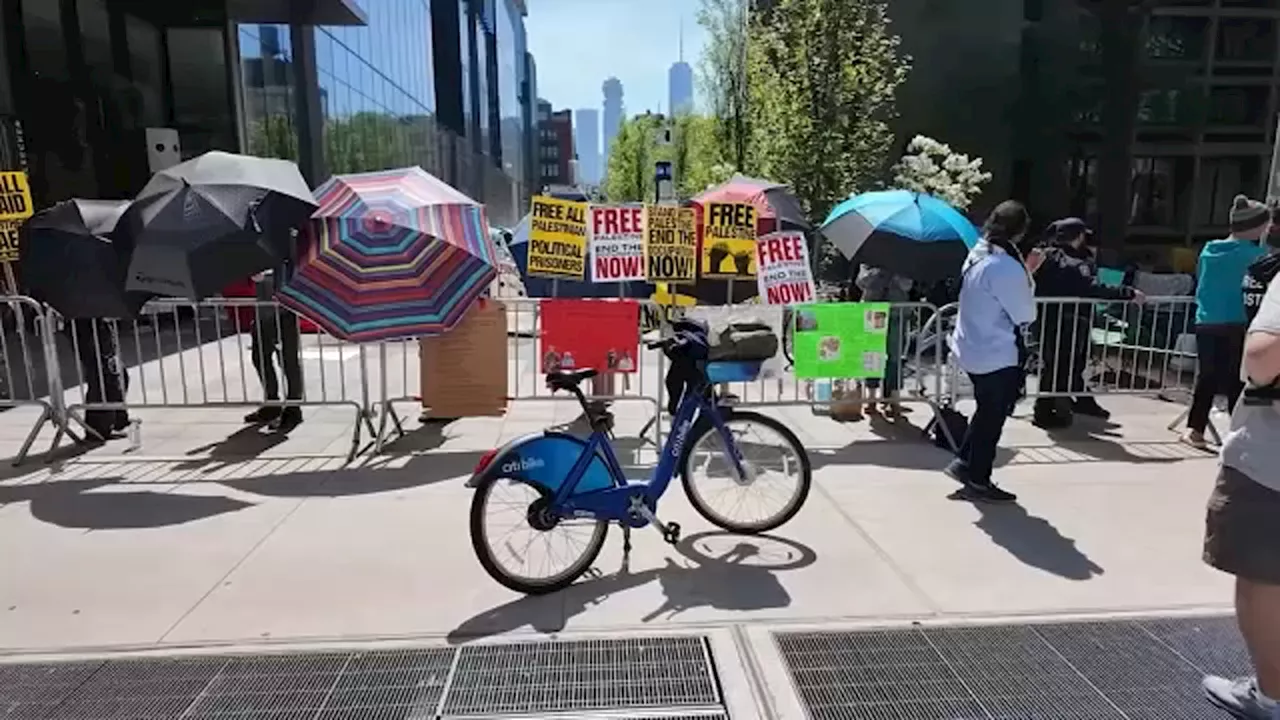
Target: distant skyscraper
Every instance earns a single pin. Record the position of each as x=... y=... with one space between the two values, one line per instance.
x=587 y=139
x=612 y=113
x=680 y=83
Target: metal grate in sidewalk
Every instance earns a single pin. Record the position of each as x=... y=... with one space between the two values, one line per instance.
x=1140 y=670
x=669 y=678
x=582 y=675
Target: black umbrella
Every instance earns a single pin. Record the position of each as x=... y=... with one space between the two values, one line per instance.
x=70 y=260
x=213 y=220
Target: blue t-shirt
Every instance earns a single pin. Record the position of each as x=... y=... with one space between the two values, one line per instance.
x=1220 y=274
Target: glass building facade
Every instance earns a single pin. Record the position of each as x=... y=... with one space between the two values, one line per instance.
x=82 y=82
x=377 y=96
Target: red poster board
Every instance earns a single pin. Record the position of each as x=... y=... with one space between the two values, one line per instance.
x=600 y=334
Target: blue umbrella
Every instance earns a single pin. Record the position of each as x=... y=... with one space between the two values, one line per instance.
x=911 y=234
x=540 y=287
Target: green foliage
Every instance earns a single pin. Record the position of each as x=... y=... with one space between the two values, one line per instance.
x=722 y=75
x=822 y=76
x=693 y=152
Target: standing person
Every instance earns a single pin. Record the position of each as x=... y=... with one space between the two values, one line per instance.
x=1220 y=314
x=105 y=377
x=1068 y=271
x=880 y=285
x=275 y=333
x=997 y=303
x=1242 y=527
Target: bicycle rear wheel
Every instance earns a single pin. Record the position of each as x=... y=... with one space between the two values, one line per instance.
x=529 y=527
x=774 y=460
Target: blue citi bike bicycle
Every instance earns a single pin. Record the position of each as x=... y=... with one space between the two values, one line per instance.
x=570 y=489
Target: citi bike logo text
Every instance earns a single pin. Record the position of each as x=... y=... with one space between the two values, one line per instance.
x=522 y=464
x=682 y=433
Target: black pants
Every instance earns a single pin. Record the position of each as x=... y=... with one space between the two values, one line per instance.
x=1219 y=352
x=276 y=333
x=1064 y=354
x=996 y=393
x=105 y=378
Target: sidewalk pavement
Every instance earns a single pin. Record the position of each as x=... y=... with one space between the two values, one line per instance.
x=200 y=542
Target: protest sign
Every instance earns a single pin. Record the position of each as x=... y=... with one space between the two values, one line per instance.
x=582 y=333
x=729 y=240
x=557 y=238
x=15 y=195
x=841 y=340
x=670 y=244
x=617 y=243
x=784 y=275
x=9 y=240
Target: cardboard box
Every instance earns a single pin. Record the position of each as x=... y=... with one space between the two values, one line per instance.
x=464 y=371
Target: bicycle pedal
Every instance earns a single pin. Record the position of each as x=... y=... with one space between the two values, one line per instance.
x=671 y=533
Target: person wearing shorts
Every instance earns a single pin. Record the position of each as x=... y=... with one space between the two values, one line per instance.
x=1242 y=533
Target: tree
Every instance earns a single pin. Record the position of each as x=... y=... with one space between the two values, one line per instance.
x=822 y=75
x=722 y=73
x=933 y=167
x=273 y=136
x=693 y=152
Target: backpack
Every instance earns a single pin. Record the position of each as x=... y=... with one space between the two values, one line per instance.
x=753 y=341
x=957 y=424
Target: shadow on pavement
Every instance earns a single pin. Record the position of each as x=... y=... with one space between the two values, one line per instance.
x=246 y=443
x=1035 y=541
x=741 y=578
x=73 y=504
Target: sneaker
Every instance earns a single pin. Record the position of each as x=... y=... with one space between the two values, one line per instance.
x=986 y=493
x=262 y=415
x=1056 y=421
x=289 y=419
x=1240 y=697
x=1090 y=408
x=1196 y=440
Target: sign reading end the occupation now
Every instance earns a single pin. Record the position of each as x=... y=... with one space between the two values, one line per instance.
x=670 y=244
x=557 y=238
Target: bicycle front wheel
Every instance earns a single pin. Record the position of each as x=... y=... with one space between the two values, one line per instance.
x=523 y=545
x=779 y=474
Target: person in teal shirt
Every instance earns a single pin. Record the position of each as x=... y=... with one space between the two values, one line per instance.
x=1220 y=313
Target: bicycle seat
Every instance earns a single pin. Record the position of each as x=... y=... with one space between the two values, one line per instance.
x=569 y=379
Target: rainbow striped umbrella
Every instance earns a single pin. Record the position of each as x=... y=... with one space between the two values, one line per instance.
x=391 y=254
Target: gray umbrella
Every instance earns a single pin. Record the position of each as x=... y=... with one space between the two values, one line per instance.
x=213 y=220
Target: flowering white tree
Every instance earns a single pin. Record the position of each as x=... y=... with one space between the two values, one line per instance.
x=933 y=167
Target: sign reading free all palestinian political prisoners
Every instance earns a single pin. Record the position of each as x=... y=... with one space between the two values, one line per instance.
x=557 y=238
x=670 y=244
x=617 y=242
x=15 y=196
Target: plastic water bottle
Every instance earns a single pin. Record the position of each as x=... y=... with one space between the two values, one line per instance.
x=135 y=435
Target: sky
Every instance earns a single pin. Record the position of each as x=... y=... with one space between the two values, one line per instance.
x=577 y=44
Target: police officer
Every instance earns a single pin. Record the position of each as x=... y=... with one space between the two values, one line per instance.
x=1068 y=271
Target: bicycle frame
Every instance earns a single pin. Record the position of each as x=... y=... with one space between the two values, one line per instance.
x=593 y=485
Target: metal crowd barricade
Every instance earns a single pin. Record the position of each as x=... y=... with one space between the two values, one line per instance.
x=909 y=362
x=401 y=374
x=184 y=354
x=30 y=373
x=1086 y=347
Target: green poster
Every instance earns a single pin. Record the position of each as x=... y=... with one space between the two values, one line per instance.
x=841 y=340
